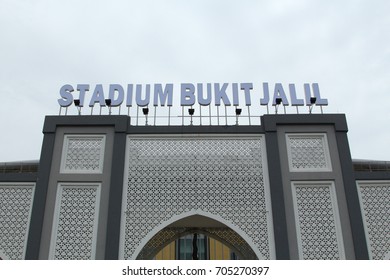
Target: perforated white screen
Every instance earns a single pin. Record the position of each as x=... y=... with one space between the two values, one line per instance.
x=15 y=211
x=223 y=176
x=375 y=205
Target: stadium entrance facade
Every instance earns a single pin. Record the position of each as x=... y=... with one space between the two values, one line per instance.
x=105 y=189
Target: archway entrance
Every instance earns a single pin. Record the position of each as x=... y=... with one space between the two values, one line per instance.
x=197 y=237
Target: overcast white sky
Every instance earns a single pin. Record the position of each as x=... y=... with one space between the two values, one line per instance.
x=342 y=45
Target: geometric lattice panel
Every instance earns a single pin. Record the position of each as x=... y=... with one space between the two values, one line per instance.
x=223 y=176
x=375 y=205
x=317 y=222
x=83 y=154
x=308 y=152
x=15 y=211
x=75 y=222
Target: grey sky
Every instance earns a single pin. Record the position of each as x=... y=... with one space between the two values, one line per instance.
x=342 y=45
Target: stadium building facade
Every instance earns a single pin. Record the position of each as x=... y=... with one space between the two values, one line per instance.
x=285 y=189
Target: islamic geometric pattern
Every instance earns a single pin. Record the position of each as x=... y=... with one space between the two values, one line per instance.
x=83 y=154
x=308 y=152
x=76 y=225
x=375 y=204
x=170 y=176
x=316 y=221
x=15 y=211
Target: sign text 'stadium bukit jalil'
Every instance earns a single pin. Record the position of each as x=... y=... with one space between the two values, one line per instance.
x=205 y=94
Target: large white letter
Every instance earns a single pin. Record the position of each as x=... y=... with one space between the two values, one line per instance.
x=129 y=99
x=204 y=101
x=66 y=94
x=220 y=94
x=161 y=94
x=82 y=89
x=247 y=90
x=279 y=93
x=265 y=100
x=138 y=96
x=187 y=96
x=111 y=95
x=316 y=91
x=97 y=96
x=294 y=100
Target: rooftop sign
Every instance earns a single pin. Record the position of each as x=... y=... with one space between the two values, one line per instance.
x=204 y=94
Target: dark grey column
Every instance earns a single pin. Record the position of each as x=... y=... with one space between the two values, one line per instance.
x=38 y=209
x=115 y=200
x=120 y=124
x=355 y=216
x=277 y=196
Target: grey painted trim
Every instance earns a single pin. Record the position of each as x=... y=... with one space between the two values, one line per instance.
x=377 y=175
x=355 y=214
x=195 y=129
x=38 y=209
x=18 y=177
x=339 y=121
x=277 y=197
x=121 y=123
x=115 y=199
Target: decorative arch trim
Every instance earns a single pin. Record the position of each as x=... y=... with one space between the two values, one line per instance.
x=175 y=218
x=176 y=233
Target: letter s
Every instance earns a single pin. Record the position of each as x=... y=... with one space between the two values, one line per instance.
x=66 y=94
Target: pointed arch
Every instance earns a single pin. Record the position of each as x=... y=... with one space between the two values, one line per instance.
x=188 y=214
x=224 y=235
